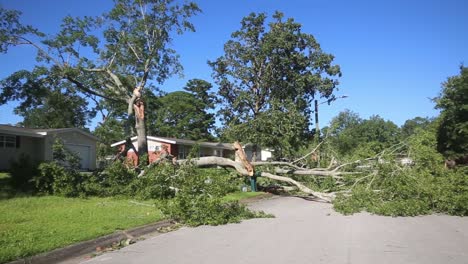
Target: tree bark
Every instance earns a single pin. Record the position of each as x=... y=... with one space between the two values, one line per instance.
x=136 y=108
x=140 y=128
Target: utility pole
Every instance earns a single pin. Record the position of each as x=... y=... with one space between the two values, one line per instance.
x=317 y=127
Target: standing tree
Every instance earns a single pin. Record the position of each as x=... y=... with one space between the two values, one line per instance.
x=351 y=135
x=266 y=72
x=411 y=126
x=45 y=101
x=183 y=114
x=112 y=56
x=452 y=134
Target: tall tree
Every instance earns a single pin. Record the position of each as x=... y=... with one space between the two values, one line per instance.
x=111 y=56
x=46 y=101
x=59 y=110
x=264 y=72
x=452 y=134
x=412 y=125
x=108 y=132
x=350 y=134
x=184 y=114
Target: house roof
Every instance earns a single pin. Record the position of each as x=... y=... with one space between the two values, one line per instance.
x=148 y=137
x=19 y=131
x=37 y=132
x=178 y=141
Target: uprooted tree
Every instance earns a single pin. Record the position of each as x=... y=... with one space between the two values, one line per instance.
x=110 y=57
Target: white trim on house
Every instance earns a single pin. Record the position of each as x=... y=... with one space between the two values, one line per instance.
x=147 y=137
x=65 y=130
x=39 y=133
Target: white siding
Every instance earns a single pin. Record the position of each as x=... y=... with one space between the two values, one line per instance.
x=76 y=139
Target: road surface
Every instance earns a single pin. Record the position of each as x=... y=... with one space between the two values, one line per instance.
x=306 y=232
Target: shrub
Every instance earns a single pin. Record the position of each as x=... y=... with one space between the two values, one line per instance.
x=115 y=179
x=22 y=172
x=158 y=182
x=56 y=179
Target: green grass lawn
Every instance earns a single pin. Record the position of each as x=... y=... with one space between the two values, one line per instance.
x=31 y=225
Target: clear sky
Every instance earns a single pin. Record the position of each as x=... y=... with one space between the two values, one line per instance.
x=394 y=55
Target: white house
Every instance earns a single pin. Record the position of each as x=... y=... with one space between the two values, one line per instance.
x=37 y=144
x=263 y=154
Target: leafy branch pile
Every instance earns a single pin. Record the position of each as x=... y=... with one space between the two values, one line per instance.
x=392 y=189
x=405 y=179
x=186 y=194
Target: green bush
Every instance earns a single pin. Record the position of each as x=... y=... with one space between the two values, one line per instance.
x=451 y=195
x=115 y=179
x=22 y=172
x=158 y=182
x=55 y=179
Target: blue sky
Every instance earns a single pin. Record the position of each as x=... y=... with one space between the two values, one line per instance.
x=394 y=55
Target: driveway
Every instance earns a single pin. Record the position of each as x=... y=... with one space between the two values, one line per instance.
x=306 y=232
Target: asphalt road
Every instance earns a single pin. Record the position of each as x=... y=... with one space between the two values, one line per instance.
x=306 y=232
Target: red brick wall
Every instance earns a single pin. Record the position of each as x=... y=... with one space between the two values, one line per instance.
x=132 y=157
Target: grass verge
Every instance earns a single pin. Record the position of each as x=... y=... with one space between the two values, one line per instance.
x=33 y=225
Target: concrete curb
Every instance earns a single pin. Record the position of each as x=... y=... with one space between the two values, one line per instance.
x=81 y=249
x=88 y=247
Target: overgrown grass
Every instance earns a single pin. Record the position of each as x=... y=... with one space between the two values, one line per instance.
x=32 y=225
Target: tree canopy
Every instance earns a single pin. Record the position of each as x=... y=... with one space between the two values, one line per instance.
x=268 y=70
x=452 y=134
x=183 y=114
x=349 y=134
x=107 y=56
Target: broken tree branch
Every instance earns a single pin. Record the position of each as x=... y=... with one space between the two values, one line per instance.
x=239 y=167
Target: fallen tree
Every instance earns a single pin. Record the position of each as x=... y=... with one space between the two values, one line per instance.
x=404 y=179
x=255 y=169
x=239 y=167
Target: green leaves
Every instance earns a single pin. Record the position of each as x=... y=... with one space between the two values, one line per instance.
x=12 y=32
x=182 y=114
x=452 y=135
x=351 y=135
x=267 y=71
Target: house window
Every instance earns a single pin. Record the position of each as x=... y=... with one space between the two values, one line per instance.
x=154 y=148
x=7 y=141
x=183 y=152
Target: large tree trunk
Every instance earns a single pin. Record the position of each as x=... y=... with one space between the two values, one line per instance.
x=141 y=139
x=136 y=107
